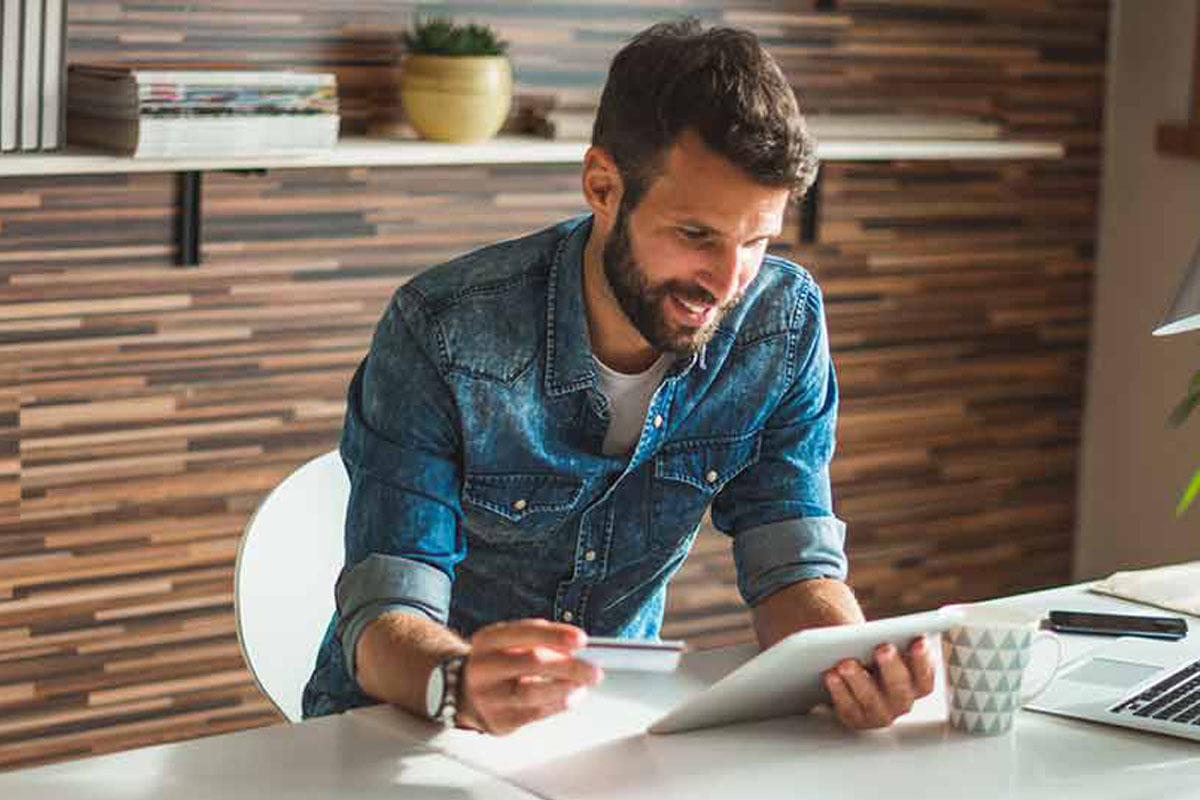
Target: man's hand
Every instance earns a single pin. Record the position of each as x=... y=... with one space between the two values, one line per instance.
x=519 y=672
x=873 y=698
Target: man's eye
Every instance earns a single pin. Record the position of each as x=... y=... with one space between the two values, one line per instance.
x=692 y=234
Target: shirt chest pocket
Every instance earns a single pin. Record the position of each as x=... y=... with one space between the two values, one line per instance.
x=518 y=508
x=687 y=477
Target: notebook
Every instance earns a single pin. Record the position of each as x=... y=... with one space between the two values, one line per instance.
x=1175 y=587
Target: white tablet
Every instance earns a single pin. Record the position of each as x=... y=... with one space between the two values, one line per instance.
x=787 y=679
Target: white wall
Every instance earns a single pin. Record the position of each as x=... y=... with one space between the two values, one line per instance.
x=1133 y=467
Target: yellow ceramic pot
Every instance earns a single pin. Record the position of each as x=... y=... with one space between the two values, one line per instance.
x=456 y=98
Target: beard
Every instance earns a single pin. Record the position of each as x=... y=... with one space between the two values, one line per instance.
x=645 y=304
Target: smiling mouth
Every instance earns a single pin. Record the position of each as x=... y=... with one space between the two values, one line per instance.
x=693 y=313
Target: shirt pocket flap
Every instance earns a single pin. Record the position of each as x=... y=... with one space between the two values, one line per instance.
x=516 y=496
x=707 y=464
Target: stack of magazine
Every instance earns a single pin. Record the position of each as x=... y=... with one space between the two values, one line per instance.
x=153 y=113
x=31 y=76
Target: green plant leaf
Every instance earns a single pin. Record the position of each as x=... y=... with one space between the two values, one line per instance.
x=1180 y=413
x=1189 y=495
x=1185 y=407
x=440 y=36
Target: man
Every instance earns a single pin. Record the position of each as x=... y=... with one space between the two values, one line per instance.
x=540 y=425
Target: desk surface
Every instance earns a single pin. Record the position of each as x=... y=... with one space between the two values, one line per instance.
x=334 y=757
x=599 y=750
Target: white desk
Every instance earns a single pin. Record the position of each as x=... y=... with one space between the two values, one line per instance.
x=334 y=757
x=599 y=751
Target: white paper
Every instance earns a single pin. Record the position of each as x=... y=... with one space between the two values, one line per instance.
x=1176 y=588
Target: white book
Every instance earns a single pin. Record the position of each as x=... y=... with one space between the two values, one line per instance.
x=214 y=77
x=111 y=94
x=235 y=78
x=52 y=75
x=216 y=137
x=10 y=70
x=31 y=77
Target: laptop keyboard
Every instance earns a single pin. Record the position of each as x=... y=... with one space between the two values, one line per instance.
x=1176 y=698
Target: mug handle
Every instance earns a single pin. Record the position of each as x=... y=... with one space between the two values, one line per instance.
x=1027 y=697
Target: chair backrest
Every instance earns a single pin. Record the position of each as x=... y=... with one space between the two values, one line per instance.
x=287 y=564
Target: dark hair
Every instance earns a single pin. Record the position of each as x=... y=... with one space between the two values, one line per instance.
x=719 y=82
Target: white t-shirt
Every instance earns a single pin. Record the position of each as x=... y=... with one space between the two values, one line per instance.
x=628 y=400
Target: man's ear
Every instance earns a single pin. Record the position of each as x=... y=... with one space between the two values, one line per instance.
x=602 y=186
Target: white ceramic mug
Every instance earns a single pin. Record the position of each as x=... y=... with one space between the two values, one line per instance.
x=985 y=653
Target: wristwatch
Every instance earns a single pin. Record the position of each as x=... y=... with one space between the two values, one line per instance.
x=441 y=692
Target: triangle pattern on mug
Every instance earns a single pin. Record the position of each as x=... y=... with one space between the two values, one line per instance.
x=983 y=675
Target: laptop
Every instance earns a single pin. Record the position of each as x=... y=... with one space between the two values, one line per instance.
x=1147 y=684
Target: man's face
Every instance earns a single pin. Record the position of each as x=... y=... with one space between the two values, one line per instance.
x=685 y=255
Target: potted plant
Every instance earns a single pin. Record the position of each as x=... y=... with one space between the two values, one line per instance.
x=455 y=80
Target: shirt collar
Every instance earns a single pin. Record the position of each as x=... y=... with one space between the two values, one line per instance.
x=568 y=347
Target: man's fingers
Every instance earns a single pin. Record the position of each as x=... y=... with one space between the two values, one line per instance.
x=521 y=671
x=897 y=682
x=503 y=721
x=515 y=703
x=920 y=664
x=844 y=704
x=866 y=700
x=547 y=694
x=529 y=633
x=513 y=717
x=862 y=687
x=538 y=662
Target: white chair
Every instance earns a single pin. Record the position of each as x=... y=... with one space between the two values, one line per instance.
x=287 y=564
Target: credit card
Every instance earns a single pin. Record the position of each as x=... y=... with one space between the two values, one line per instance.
x=639 y=655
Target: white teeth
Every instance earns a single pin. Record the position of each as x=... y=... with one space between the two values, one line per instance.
x=692 y=307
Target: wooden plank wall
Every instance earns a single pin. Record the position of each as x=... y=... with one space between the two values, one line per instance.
x=145 y=408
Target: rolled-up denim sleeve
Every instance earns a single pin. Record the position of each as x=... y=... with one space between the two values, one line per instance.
x=401 y=447
x=779 y=511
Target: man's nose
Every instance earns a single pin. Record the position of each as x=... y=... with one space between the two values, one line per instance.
x=720 y=278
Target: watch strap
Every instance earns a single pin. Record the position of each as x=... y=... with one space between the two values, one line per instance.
x=451 y=688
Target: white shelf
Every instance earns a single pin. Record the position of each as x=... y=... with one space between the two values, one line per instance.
x=373 y=152
x=934 y=150
x=349 y=152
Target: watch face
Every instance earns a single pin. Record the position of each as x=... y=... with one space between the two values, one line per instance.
x=434 y=691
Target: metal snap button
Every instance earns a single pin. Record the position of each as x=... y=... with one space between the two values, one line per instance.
x=712 y=476
x=590 y=555
x=520 y=505
x=658 y=420
x=567 y=616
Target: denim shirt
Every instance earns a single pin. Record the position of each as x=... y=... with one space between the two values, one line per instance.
x=479 y=489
